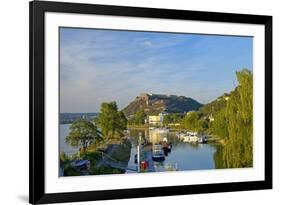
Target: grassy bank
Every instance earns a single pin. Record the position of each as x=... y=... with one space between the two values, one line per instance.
x=100 y=157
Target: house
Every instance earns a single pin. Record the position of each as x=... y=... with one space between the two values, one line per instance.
x=211 y=118
x=156 y=119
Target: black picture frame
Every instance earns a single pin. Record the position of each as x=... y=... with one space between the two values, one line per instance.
x=37 y=10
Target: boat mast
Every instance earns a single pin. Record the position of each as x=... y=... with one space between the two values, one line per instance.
x=138 y=151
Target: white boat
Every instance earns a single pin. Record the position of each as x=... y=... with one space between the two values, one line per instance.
x=188 y=137
x=193 y=138
x=183 y=137
x=157 y=153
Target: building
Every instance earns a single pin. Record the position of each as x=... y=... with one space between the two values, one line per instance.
x=156 y=119
x=211 y=118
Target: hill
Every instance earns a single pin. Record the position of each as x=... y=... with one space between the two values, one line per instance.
x=155 y=103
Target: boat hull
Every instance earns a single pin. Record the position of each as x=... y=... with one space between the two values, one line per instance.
x=158 y=158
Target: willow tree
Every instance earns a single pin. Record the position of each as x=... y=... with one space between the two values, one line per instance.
x=235 y=123
x=83 y=133
x=239 y=112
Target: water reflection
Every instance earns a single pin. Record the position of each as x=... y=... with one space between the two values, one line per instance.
x=184 y=156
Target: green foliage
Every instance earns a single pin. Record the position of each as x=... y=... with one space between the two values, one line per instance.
x=107 y=118
x=214 y=106
x=104 y=170
x=92 y=156
x=245 y=90
x=70 y=171
x=138 y=118
x=234 y=123
x=121 y=123
x=218 y=158
x=203 y=125
x=195 y=121
x=172 y=119
x=190 y=121
x=111 y=121
x=83 y=133
x=63 y=157
x=219 y=126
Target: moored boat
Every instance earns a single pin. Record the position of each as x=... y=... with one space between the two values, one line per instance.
x=189 y=137
x=158 y=153
x=81 y=164
x=202 y=139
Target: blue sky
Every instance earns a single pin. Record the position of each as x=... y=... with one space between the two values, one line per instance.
x=105 y=65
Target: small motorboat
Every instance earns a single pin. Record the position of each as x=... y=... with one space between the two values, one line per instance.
x=158 y=153
x=202 y=139
x=81 y=164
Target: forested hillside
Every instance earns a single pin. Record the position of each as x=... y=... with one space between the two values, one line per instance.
x=154 y=104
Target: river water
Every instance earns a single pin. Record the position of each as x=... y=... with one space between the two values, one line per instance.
x=64 y=147
x=183 y=156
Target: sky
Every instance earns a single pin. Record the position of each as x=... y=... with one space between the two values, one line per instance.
x=112 y=65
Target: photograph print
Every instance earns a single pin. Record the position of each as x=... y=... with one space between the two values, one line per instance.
x=142 y=102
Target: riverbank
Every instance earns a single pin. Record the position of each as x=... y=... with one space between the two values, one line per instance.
x=216 y=140
x=102 y=159
x=211 y=138
x=146 y=126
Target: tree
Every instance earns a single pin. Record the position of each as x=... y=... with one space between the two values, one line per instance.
x=219 y=126
x=234 y=123
x=167 y=120
x=121 y=122
x=138 y=118
x=83 y=133
x=107 y=118
x=203 y=125
x=172 y=119
x=110 y=120
x=191 y=121
x=239 y=114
